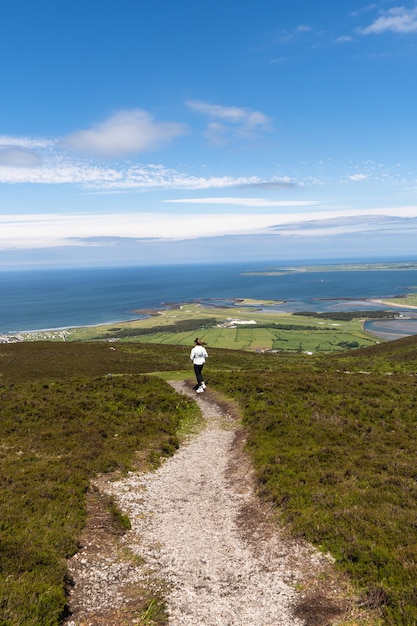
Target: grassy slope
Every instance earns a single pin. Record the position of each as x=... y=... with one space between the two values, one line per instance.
x=333 y=442
x=333 y=447
x=62 y=422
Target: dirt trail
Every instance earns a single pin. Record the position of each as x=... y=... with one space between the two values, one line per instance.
x=202 y=532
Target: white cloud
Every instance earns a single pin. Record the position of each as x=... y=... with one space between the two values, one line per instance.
x=51 y=167
x=357 y=177
x=252 y=202
x=227 y=122
x=25 y=142
x=361 y=223
x=16 y=156
x=397 y=20
x=22 y=153
x=285 y=182
x=368 y=7
x=59 y=169
x=233 y=115
x=217 y=133
x=42 y=161
x=55 y=230
x=126 y=132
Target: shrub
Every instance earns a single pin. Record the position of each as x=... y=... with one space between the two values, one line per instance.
x=55 y=437
x=335 y=452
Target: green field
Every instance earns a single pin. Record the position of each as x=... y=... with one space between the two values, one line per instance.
x=282 y=332
x=340 y=267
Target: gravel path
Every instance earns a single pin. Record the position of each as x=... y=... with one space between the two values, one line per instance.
x=199 y=526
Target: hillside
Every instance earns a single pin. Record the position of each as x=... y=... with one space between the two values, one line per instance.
x=332 y=439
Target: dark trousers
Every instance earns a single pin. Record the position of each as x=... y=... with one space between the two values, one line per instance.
x=198 y=369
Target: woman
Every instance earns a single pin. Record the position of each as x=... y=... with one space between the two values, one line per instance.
x=198 y=356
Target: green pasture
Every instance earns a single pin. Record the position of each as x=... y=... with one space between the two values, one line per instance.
x=284 y=332
x=260 y=339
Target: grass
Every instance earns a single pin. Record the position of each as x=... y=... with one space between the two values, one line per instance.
x=332 y=439
x=408 y=300
x=273 y=331
x=56 y=436
x=335 y=451
x=154 y=614
x=289 y=334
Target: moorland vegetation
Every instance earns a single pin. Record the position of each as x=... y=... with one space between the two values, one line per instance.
x=332 y=438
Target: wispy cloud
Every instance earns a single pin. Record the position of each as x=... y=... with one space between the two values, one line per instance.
x=367 y=223
x=228 y=122
x=124 y=133
x=22 y=152
x=364 y=9
x=48 y=164
x=70 y=160
x=344 y=39
x=358 y=177
x=55 y=230
x=397 y=20
x=25 y=142
x=90 y=229
x=288 y=36
x=303 y=28
x=252 y=202
x=234 y=115
x=16 y=156
x=284 y=182
x=125 y=179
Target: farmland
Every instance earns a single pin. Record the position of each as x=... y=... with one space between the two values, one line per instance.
x=239 y=328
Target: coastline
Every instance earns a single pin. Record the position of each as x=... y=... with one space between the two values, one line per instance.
x=260 y=305
x=395 y=304
x=55 y=301
x=60 y=329
x=268 y=313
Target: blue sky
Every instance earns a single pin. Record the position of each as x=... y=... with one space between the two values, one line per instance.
x=193 y=131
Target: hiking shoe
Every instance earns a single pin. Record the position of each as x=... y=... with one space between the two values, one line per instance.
x=200 y=390
x=203 y=385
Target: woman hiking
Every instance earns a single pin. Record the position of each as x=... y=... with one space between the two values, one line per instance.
x=198 y=356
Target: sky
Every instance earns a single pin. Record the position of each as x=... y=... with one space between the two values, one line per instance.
x=153 y=131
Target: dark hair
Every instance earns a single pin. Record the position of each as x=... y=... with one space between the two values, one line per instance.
x=198 y=341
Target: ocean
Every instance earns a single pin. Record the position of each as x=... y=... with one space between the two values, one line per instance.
x=63 y=298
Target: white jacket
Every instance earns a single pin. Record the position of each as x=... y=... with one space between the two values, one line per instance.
x=198 y=355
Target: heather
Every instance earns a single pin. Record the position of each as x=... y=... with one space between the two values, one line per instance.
x=332 y=438
x=57 y=434
x=333 y=444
